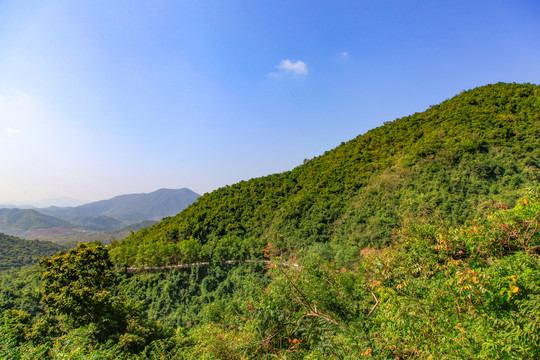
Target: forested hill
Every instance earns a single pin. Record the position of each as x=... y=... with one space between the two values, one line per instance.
x=26 y=222
x=15 y=252
x=480 y=148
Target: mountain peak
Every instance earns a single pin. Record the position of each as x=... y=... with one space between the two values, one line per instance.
x=132 y=208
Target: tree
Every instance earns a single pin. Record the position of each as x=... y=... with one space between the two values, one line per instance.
x=79 y=286
x=79 y=283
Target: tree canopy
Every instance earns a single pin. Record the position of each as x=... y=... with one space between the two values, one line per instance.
x=15 y=252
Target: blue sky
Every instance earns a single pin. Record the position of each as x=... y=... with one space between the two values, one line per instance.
x=101 y=98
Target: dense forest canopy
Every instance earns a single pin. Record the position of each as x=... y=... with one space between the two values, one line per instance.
x=438 y=292
x=15 y=252
x=479 y=148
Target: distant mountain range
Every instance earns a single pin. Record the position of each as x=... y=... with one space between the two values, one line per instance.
x=104 y=215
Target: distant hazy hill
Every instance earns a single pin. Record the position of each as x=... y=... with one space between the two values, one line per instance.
x=15 y=252
x=97 y=223
x=62 y=201
x=482 y=145
x=31 y=223
x=112 y=214
x=127 y=209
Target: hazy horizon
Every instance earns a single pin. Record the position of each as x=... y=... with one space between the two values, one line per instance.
x=100 y=99
x=66 y=201
x=53 y=201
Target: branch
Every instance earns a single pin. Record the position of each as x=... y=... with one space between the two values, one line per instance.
x=377 y=301
x=323 y=317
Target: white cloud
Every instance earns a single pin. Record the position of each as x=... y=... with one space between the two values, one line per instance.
x=344 y=54
x=12 y=131
x=299 y=67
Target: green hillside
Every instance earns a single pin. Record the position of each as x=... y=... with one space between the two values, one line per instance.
x=22 y=222
x=478 y=149
x=15 y=252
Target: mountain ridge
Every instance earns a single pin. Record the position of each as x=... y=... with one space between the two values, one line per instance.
x=118 y=212
x=131 y=208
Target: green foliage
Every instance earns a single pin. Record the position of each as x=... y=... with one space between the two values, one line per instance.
x=78 y=283
x=79 y=290
x=19 y=290
x=179 y=297
x=439 y=293
x=15 y=252
x=470 y=291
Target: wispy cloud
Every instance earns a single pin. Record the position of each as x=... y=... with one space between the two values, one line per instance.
x=11 y=131
x=287 y=66
x=299 y=67
x=344 y=54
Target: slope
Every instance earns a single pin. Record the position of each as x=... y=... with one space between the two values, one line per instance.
x=479 y=148
x=29 y=222
x=129 y=208
x=15 y=252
